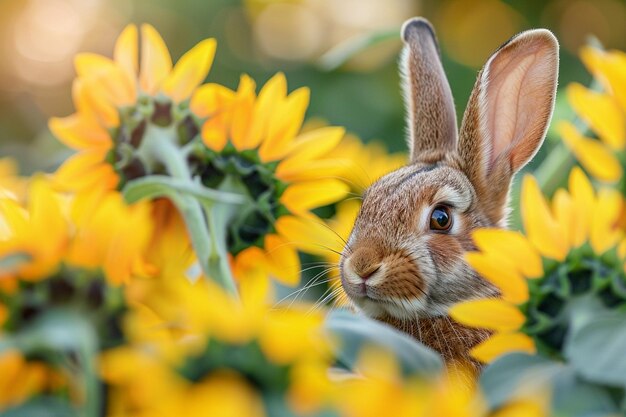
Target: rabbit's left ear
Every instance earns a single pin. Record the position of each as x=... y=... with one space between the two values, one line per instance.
x=430 y=107
x=508 y=113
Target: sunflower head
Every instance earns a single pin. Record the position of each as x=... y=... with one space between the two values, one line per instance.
x=572 y=250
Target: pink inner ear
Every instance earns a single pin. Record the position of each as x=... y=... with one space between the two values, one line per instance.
x=518 y=98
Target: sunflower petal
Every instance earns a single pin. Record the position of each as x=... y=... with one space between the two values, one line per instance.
x=272 y=93
x=541 y=228
x=583 y=200
x=156 y=62
x=491 y=313
x=78 y=132
x=601 y=112
x=210 y=100
x=604 y=229
x=502 y=343
x=503 y=275
x=310 y=235
x=512 y=246
x=126 y=52
x=304 y=196
x=592 y=154
x=313 y=144
x=190 y=71
x=242 y=113
x=284 y=123
x=214 y=135
x=610 y=69
x=282 y=260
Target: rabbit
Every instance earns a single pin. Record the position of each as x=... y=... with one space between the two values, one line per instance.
x=403 y=263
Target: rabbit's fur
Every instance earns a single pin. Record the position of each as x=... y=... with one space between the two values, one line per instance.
x=394 y=267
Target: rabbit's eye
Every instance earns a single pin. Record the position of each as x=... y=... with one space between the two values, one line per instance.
x=440 y=218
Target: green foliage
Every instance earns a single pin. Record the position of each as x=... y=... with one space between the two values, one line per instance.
x=356 y=331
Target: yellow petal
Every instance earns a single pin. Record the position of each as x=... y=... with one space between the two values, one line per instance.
x=583 y=200
x=156 y=62
x=90 y=64
x=312 y=170
x=503 y=274
x=214 y=135
x=542 y=230
x=563 y=209
x=270 y=96
x=282 y=260
x=604 y=225
x=491 y=313
x=313 y=144
x=126 y=51
x=242 y=113
x=610 y=69
x=210 y=100
x=94 y=102
x=513 y=246
x=502 y=343
x=522 y=408
x=601 y=112
x=311 y=235
x=190 y=71
x=305 y=196
x=79 y=132
x=592 y=154
x=284 y=123
x=86 y=170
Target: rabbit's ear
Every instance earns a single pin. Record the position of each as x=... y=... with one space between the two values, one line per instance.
x=508 y=113
x=430 y=108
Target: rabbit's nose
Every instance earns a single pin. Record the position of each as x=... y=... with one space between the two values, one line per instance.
x=365 y=262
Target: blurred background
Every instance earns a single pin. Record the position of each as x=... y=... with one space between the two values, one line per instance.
x=345 y=50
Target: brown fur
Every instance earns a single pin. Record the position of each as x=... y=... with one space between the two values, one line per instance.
x=394 y=267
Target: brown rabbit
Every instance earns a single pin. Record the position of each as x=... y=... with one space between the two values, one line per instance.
x=403 y=263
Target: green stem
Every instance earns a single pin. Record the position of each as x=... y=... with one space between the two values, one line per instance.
x=209 y=246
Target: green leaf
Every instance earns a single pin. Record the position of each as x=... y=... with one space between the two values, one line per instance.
x=164 y=186
x=355 y=332
x=598 y=349
x=346 y=50
x=517 y=375
x=572 y=396
x=41 y=407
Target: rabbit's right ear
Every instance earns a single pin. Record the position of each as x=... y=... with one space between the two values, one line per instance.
x=507 y=115
x=430 y=108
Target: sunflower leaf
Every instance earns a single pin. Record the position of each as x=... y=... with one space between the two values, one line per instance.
x=517 y=375
x=596 y=349
x=41 y=407
x=165 y=186
x=355 y=332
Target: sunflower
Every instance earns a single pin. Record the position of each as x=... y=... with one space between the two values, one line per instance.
x=226 y=354
x=252 y=145
x=115 y=97
x=604 y=112
x=574 y=247
x=156 y=122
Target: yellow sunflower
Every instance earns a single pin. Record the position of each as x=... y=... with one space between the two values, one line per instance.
x=86 y=231
x=581 y=226
x=604 y=112
x=104 y=127
x=254 y=141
